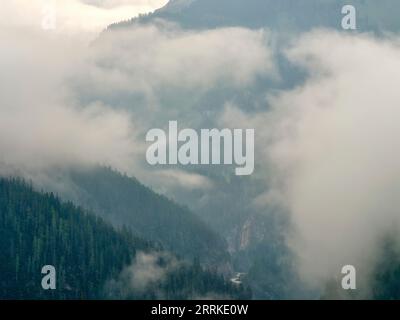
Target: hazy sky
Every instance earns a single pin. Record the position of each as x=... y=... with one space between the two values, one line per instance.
x=72 y=16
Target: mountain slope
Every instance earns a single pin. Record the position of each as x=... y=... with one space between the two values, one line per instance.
x=282 y=15
x=87 y=253
x=38 y=230
x=253 y=236
x=126 y=202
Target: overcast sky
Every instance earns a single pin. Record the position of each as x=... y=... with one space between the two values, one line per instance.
x=72 y=16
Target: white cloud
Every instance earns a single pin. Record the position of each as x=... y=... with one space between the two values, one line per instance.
x=157 y=56
x=332 y=144
x=147 y=270
x=41 y=123
x=74 y=16
x=45 y=78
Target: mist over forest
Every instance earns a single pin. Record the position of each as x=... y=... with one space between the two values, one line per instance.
x=76 y=191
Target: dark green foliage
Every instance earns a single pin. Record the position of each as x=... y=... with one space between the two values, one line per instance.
x=207 y=285
x=386 y=276
x=273 y=274
x=187 y=281
x=125 y=201
x=38 y=229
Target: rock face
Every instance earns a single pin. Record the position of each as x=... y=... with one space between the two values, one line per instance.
x=245 y=235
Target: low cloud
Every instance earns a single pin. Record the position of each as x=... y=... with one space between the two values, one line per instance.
x=330 y=149
x=73 y=17
x=57 y=107
x=41 y=123
x=145 y=274
x=158 y=56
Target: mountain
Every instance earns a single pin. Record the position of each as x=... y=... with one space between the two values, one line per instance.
x=37 y=230
x=255 y=236
x=282 y=15
x=124 y=201
x=89 y=255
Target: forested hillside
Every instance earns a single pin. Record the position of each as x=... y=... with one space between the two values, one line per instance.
x=88 y=254
x=125 y=201
x=282 y=15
